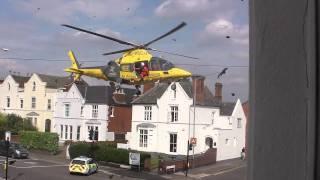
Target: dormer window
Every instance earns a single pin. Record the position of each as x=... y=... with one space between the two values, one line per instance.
x=34 y=86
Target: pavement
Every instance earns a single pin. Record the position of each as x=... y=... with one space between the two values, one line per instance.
x=220 y=168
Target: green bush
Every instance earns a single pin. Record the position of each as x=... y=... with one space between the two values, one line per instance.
x=40 y=140
x=103 y=151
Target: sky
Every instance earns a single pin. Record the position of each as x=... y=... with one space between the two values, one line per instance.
x=217 y=33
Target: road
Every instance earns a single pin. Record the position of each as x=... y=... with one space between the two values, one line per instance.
x=36 y=169
x=40 y=169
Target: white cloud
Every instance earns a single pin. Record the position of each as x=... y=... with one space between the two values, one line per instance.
x=239 y=34
x=204 y=9
x=62 y=11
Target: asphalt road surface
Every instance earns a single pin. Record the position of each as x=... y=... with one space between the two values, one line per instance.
x=41 y=169
x=36 y=169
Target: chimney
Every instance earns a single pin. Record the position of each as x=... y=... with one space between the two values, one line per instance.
x=119 y=96
x=218 y=91
x=198 y=88
x=147 y=86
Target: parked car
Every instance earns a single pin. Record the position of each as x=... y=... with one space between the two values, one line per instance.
x=83 y=165
x=15 y=150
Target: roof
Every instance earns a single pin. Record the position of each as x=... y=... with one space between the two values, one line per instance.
x=151 y=96
x=104 y=94
x=82 y=158
x=226 y=108
x=20 y=80
x=55 y=82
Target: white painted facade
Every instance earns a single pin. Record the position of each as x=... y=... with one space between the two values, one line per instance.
x=34 y=100
x=153 y=134
x=74 y=117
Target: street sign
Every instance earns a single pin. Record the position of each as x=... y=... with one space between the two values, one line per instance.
x=134 y=159
x=193 y=141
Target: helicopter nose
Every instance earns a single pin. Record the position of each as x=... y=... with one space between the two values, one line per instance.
x=183 y=73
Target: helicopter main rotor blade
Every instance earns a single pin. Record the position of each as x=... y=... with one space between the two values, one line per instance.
x=156 y=50
x=120 y=51
x=166 y=34
x=101 y=35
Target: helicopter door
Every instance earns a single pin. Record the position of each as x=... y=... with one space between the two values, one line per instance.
x=112 y=71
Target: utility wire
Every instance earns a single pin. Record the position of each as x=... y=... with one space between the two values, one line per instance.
x=66 y=60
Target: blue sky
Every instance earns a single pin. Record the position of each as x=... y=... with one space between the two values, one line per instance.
x=32 y=29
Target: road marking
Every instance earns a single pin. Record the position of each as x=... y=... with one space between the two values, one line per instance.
x=29 y=167
x=30 y=162
x=228 y=170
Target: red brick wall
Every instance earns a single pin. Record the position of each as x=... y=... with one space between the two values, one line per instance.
x=121 y=122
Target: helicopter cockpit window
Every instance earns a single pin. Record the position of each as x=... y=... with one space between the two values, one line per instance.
x=160 y=64
x=126 y=67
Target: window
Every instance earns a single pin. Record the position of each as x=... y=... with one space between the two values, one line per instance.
x=34 y=86
x=21 y=103
x=147 y=112
x=143 y=140
x=61 y=131
x=66 y=132
x=235 y=142
x=239 y=124
x=173 y=142
x=81 y=111
x=111 y=111
x=35 y=122
x=230 y=120
x=95 y=132
x=212 y=117
x=227 y=141
x=78 y=132
x=70 y=132
x=94 y=111
x=33 y=102
x=66 y=110
x=174 y=113
x=8 y=101
x=49 y=104
x=9 y=87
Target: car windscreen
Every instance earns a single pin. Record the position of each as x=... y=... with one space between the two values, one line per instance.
x=78 y=162
x=16 y=146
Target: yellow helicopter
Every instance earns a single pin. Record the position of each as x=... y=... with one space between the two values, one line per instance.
x=136 y=66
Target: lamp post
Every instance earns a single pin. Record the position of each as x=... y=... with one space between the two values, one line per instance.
x=7 y=143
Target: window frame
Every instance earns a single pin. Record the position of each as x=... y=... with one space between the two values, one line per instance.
x=8 y=101
x=49 y=107
x=67 y=109
x=173 y=142
x=147 y=113
x=95 y=111
x=174 y=113
x=33 y=102
x=143 y=138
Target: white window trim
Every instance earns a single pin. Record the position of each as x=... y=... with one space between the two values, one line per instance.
x=147 y=113
x=65 y=109
x=95 y=111
x=176 y=143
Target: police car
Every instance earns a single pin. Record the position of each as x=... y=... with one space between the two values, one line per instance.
x=83 y=165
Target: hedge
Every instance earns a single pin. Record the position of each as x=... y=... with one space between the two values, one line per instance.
x=40 y=140
x=103 y=151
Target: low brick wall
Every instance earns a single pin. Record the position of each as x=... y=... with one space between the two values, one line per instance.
x=209 y=157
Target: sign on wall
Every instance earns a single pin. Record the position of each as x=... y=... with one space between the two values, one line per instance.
x=134 y=158
x=193 y=141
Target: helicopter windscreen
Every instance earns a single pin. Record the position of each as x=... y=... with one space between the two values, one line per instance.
x=159 y=64
x=112 y=71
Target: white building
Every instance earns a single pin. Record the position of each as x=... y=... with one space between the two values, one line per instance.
x=82 y=108
x=164 y=118
x=31 y=97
